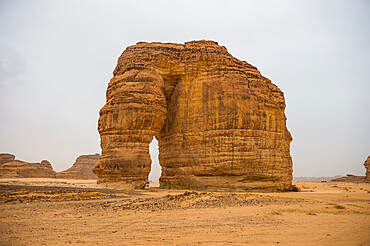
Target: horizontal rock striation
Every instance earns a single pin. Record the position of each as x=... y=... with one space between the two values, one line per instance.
x=220 y=124
x=11 y=168
x=81 y=169
x=4 y=158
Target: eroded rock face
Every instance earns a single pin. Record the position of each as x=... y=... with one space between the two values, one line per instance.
x=11 y=168
x=4 y=158
x=81 y=169
x=367 y=166
x=220 y=124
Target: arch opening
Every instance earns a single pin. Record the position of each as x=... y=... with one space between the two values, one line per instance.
x=156 y=170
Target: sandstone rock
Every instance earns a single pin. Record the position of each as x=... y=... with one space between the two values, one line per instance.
x=81 y=169
x=6 y=158
x=11 y=168
x=316 y=179
x=220 y=124
x=352 y=179
x=357 y=179
x=367 y=166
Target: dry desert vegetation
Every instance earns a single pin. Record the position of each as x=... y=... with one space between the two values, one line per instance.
x=79 y=212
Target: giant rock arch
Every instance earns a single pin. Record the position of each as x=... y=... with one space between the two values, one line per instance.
x=220 y=124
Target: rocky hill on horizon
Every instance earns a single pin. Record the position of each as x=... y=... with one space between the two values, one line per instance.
x=81 y=169
x=357 y=179
x=12 y=168
x=315 y=179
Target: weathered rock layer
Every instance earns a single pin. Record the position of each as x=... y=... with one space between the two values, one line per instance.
x=220 y=124
x=367 y=166
x=81 y=169
x=11 y=168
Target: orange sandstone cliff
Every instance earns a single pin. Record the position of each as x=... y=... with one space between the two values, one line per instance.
x=81 y=169
x=220 y=124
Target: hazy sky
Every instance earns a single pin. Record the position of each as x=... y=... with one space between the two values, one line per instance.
x=56 y=59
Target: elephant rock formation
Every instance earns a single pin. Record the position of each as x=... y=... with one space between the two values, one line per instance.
x=220 y=124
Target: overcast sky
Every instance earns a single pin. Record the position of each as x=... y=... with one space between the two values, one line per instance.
x=56 y=59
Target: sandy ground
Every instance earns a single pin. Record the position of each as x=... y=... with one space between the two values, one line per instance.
x=78 y=212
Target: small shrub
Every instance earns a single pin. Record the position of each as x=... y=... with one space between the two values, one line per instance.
x=340 y=207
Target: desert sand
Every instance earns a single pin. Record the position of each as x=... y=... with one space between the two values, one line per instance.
x=79 y=212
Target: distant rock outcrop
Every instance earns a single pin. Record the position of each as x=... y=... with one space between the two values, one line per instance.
x=220 y=124
x=367 y=166
x=315 y=179
x=11 y=168
x=357 y=179
x=4 y=158
x=81 y=169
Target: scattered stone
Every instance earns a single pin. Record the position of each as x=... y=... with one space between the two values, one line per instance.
x=36 y=195
x=197 y=201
